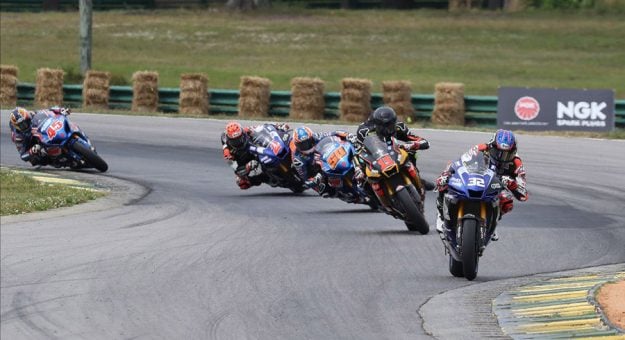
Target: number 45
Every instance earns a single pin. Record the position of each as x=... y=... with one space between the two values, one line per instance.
x=478 y=182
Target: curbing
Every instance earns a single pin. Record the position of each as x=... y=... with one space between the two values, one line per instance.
x=555 y=308
x=119 y=192
x=478 y=311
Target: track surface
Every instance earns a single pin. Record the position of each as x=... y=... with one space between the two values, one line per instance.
x=199 y=258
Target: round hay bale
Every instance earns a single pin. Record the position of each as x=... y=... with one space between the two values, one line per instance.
x=398 y=95
x=355 y=102
x=8 y=85
x=145 y=91
x=462 y=4
x=449 y=104
x=95 y=89
x=49 y=87
x=514 y=5
x=254 y=96
x=307 y=101
x=194 y=94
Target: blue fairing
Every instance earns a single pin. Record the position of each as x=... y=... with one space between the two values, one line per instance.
x=330 y=146
x=271 y=147
x=472 y=179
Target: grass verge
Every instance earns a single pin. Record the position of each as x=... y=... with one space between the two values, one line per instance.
x=20 y=194
x=482 y=49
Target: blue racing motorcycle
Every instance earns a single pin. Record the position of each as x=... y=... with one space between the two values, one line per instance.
x=470 y=212
x=337 y=165
x=272 y=147
x=65 y=144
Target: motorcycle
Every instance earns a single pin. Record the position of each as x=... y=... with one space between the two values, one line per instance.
x=336 y=163
x=65 y=144
x=394 y=181
x=274 y=154
x=470 y=212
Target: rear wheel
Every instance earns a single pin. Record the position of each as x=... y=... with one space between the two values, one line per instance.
x=455 y=267
x=90 y=156
x=469 y=249
x=414 y=219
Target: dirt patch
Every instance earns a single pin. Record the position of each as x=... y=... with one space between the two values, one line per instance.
x=611 y=297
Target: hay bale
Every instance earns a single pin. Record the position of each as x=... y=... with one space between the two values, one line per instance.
x=95 y=89
x=307 y=101
x=398 y=95
x=449 y=104
x=514 y=5
x=355 y=105
x=194 y=94
x=463 y=4
x=49 y=87
x=254 y=96
x=8 y=85
x=145 y=91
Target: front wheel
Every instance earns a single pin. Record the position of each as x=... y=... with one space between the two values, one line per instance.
x=90 y=156
x=414 y=219
x=469 y=249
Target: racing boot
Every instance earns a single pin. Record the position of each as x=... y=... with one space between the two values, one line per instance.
x=494 y=236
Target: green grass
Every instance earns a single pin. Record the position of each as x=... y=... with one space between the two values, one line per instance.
x=21 y=194
x=483 y=50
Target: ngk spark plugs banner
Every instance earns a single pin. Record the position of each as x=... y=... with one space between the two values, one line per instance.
x=534 y=109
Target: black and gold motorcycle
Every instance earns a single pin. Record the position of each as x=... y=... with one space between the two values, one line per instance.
x=394 y=181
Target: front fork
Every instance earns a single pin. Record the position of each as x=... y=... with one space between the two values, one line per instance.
x=483 y=237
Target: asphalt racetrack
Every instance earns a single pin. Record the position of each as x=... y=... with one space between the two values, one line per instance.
x=197 y=258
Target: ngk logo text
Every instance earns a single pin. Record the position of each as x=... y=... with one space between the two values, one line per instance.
x=581 y=113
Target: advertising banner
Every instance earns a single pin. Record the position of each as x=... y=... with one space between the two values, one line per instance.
x=539 y=109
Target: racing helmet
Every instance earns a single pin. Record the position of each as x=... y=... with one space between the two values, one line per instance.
x=384 y=119
x=235 y=135
x=502 y=147
x=304 y=139
x=20 y=119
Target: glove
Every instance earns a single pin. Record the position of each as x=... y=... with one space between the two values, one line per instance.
x=37 y=150
x=227 y=155
x=282 y=126
x=60 y=110
x=413 y=145
x=251 y=165
x=509 y=183
x=352 y=138
x=441 y=182
x=243 y=183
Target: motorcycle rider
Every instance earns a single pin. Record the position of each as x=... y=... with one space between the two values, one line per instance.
x=305 y=159
x=235 y=142
x=500 y=151
x=21 y=125
x=383 y=122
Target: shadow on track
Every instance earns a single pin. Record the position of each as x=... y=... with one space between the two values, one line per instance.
x=364 y=209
